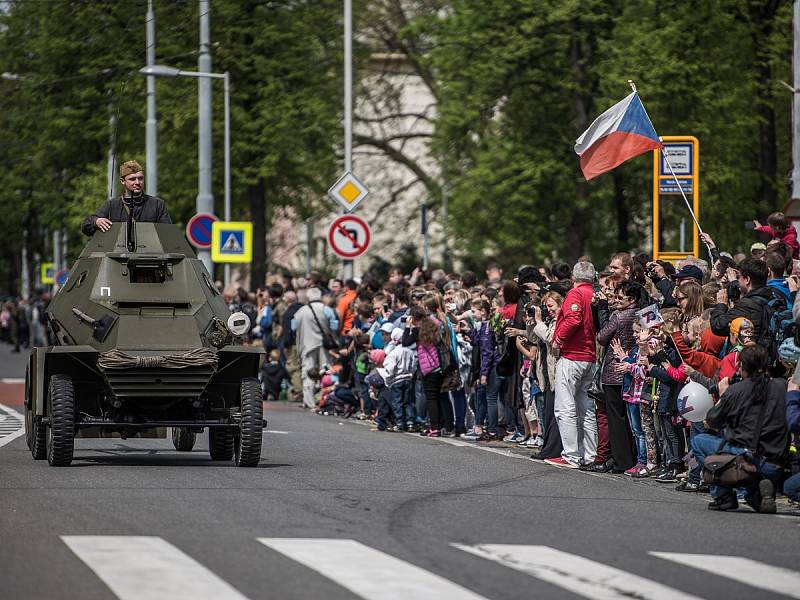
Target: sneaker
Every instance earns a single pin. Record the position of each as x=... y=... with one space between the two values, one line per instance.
x=726 y=502
x=524 y=440
x=560 y=461
x=513 y=437
x=767 y=492
x=687 y=486
x=636 y=470
x=531 y=443
x=668 y=476
x=473 y=436
x=434 y=433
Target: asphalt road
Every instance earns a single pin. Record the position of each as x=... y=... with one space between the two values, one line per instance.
x=337 y=511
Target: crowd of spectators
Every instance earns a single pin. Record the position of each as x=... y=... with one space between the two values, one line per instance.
x=583 y=367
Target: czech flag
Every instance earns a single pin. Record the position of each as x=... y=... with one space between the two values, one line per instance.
x=620 y=133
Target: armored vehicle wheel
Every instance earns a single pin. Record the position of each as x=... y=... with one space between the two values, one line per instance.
x=35 y=433
x=220 y=443
x=248 y=442
x=183 y=439
x=61 y=431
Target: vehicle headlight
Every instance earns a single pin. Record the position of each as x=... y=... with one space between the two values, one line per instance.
x=238 y=323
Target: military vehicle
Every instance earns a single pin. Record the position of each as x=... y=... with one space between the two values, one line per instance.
x=144 y=341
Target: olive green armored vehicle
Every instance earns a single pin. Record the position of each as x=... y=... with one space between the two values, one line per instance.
x=144 y=341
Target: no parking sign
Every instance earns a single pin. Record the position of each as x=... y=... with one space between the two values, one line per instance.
x=198 y=230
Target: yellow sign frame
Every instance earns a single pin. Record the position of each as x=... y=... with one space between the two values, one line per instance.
x=219 y=229
x=658 y=178
x=48 y=266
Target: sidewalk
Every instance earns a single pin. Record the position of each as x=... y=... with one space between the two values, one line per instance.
x=12 y=376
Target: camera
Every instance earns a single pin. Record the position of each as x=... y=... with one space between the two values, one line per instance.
x=733 y=290
x=530 y=310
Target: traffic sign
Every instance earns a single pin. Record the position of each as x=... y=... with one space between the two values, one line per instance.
x=348 y=191
x=62 y=276
x=198 y=230
x=48 y=273
x=349 y=236
x=231 y=242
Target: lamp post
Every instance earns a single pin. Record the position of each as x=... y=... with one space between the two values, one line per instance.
x=163 y=71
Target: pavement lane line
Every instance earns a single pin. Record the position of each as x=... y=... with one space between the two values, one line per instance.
x=19 y=432
x=14 y=380
x=148 y=568
x=744 y=570
x=385 y=578
x=574 y=573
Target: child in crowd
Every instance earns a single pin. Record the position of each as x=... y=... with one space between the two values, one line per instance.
x=379 y=391
x=779 y=227
x=273 y=376
x=486 y=383
x=634 y=366
x=397 y=372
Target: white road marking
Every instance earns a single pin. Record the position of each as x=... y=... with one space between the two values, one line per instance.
x=744 y=570
x=148 y=568
x=368 y=572
x=10 y=412
x=277 y=431
x=574 y=573
x=15 y=380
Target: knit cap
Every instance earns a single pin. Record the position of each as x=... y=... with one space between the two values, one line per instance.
x=377 y=356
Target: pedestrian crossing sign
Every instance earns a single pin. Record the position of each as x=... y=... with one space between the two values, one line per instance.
x=48 y=273
x=231 y=242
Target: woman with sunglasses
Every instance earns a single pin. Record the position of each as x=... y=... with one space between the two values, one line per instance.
x=688 y=296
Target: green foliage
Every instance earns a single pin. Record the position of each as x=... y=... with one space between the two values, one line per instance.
x=519 y=82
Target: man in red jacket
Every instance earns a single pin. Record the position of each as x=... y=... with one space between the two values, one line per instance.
x=574 y=339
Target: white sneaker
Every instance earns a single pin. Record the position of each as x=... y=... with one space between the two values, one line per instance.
x=531 y=442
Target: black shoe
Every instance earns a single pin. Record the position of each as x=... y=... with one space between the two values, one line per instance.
x=767 y=492
x=668 y=476
x=598 y=467
x=703 y=488
x=687 y=486
x=448 y=433
x=726 y=502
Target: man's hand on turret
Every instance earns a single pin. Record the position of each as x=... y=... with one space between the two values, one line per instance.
x=102 y=224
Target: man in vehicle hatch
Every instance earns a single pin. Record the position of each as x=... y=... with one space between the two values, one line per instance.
x=146 y=209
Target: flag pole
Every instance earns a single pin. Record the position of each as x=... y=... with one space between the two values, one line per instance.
x=675 y=177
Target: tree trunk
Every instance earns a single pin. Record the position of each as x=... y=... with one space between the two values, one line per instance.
x=258 y=213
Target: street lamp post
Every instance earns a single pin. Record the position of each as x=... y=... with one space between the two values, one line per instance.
x=163 y=71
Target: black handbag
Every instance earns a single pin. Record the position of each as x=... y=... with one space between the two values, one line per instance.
x=734 y=470
x=329 y=341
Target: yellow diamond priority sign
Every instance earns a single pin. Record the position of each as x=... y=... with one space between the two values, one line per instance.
x=348 y=191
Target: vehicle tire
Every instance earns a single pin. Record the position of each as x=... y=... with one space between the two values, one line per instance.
x=183 y=439
x=248 y=442
x=220 y=443
x=61 y=431
x=35 y=433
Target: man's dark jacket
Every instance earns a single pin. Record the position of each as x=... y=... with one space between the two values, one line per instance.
x=751 y=306
x=150 y=209
x=737 y=413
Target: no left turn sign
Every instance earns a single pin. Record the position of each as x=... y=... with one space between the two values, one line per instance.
x=349 y=236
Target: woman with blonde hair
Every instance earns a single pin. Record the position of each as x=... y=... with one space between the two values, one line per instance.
x=689 y=298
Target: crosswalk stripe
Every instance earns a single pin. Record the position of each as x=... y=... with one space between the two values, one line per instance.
x=386 y=578
x=575 y=573
x=6 y=436
x=751 y=572
x=148 y=568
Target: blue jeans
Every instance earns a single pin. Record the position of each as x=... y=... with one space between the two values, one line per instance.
x=486 y=402
x=420 y=401
x=791 y=487
x=695 y=474
x=459 y=399
x=705 y=444
x=635 y=421
x=538 y=399
x=403 y=404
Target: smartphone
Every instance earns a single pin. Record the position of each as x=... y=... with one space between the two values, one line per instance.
x=403 y=319
x=385 y=308
x=749 y=225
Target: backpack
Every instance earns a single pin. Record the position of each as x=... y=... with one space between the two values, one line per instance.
x=778 y=317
